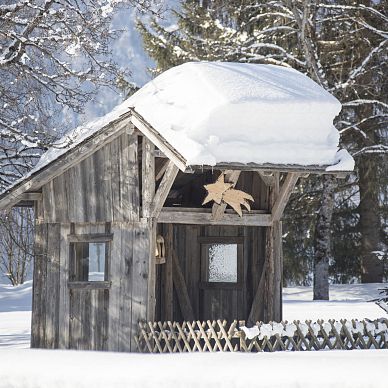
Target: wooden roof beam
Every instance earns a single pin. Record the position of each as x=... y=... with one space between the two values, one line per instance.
x=268 y=168
x=152 y=134
x=164 y=188
x=284 y=195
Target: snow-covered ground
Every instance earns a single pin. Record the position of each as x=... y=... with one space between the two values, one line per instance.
x=65 y=369
x=26 y=368
x=15 y=315
x=347 y=301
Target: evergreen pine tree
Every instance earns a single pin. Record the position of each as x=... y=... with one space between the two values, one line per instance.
x=343 y=47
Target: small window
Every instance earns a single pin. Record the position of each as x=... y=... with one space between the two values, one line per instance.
x=89 y=261
x=222 y=260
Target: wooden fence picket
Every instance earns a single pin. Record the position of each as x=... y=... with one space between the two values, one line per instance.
x=212 y=336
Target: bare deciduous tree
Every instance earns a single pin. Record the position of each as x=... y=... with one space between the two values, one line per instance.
x=16 y=244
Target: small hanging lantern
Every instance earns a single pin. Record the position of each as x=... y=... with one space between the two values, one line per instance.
x=160 y=250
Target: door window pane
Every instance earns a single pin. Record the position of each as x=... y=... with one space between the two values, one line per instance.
x=222 y=263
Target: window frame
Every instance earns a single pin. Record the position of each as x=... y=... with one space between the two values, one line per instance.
x=205 y=242
x=89 y=238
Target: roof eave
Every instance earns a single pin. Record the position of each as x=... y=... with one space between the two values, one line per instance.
x=270 y=167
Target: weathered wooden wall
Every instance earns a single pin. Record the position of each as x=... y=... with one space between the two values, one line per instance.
x=103 y=187
x=98 y=193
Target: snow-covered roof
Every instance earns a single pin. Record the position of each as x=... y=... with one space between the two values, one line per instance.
x=214 y=112
x=237 y=112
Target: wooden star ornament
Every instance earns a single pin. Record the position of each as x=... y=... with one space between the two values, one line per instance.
x=222 y=192
x=216 y=190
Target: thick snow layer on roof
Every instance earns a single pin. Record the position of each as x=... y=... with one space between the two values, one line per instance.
x=213 y=112
x=235 y=112
x=238 y=112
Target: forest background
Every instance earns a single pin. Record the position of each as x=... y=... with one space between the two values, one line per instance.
x=56 y=57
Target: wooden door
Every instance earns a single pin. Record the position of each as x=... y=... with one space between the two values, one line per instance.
x=222 y=278
x=88 y=327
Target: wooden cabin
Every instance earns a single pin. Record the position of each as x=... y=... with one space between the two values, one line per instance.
x=123 y=235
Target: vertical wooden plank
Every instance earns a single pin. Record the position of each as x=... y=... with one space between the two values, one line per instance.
x=133 y=178
x=114 y=293
x=106 y=184
x=38 y=321
x=64 y=296
x=98 y=190
x=141 y=247
x=126 y=279
x=52 y=284
x=115 y=180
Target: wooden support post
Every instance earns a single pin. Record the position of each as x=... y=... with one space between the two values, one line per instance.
x=148 y=193
x=152 y=272
x=164 y=189
x=271 y=261
x=181 y=290
x=167 y=268
x=231 y=176
x=148 y=174
x=277 y=260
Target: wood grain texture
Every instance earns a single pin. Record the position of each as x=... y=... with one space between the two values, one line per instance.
x=101 y=188
x=66 y=161
x=284 y=195
x=204 y=218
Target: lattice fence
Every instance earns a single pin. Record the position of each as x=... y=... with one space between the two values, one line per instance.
x=213 y=336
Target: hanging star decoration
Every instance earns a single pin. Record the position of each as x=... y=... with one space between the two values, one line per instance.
x=221 y=191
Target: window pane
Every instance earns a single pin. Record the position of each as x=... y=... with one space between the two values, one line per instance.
x=223 y=263
x=96 y=262
x=89 y=262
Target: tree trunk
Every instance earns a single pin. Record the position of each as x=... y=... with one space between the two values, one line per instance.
x=322 y=240
x=369 y=224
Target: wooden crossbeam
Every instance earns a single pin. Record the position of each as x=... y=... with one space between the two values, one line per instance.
x=30 y=196
x=164 y=188
x=172 y=215
x=181 y=288
x=284 y=195
x=231 y=176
